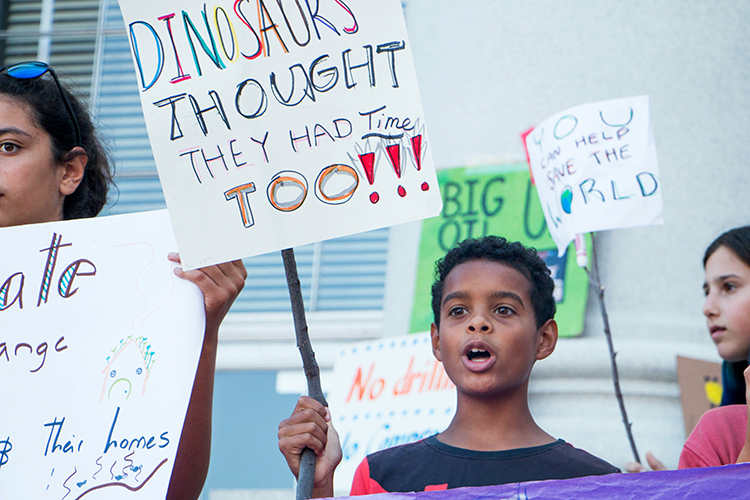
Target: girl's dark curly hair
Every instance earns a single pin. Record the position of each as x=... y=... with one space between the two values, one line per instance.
x=42 y=97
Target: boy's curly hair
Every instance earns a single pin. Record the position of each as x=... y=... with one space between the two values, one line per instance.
x=496 y=249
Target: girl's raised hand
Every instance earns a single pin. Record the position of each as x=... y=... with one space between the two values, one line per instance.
x=220 y=284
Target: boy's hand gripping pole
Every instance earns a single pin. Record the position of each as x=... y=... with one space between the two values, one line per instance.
x=306 y=479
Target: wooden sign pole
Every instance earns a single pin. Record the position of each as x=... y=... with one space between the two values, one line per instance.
x=599 y=289
x=306 y=479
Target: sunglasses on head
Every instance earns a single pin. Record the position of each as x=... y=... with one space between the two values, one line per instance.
x=35 y=69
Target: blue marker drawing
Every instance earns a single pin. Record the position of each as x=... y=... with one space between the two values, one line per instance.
x=51 y=474
x=566 y=200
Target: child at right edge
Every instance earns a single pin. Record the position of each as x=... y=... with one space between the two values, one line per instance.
x=494 y=318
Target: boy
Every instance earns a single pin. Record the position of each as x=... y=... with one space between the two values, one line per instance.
x=494 y=317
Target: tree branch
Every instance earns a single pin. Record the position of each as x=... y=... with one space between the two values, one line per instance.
x=599 y=289
x=306 y=479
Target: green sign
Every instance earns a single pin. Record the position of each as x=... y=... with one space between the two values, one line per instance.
x=498 y=200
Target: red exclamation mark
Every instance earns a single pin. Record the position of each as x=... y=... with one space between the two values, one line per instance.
x=394 y=154
x=368 y=163
x=416 y=148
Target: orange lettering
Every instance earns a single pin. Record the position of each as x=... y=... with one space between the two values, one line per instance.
x=359 y=385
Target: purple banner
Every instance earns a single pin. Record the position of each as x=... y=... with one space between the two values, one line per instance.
x=728 y=482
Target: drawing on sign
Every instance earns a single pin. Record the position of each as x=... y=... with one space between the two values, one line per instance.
x=390 y=146
x=119 y=474
x=128 y=368
x=154 y=287
x=714 y=390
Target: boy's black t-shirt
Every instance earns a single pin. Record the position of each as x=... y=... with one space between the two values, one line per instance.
x=429 y=465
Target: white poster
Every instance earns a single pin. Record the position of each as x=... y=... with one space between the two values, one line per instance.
x=595 y=168
x=280 y=123
x=385 y=393
x=99 y=343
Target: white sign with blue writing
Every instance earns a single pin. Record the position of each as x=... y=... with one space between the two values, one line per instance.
x=99 y=343
x=595 y=168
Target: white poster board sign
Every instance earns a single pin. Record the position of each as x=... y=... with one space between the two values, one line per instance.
x=385 y=393
x=99 y=343
x=277 y=124
x=595 y=168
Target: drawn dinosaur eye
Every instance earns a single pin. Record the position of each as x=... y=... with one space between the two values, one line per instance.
x=113 y=373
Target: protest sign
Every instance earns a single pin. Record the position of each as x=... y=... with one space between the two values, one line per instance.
x=99 y=343
x=729 y=481
x=700 y=388
x=385 y=393
x=277 y=124
x=595 y=168
x=496 y=200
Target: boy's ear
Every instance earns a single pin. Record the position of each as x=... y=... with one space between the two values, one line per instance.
x=435 y=335
x=547 y=339
x=73 y=169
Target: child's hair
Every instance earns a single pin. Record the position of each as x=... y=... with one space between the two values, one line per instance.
x=737 y=240
x=44 y=102
x=496 y=249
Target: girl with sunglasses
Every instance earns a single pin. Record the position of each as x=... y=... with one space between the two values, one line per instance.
x=53 y=167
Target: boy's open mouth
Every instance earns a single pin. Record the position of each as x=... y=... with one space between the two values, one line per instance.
x=477 y=354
